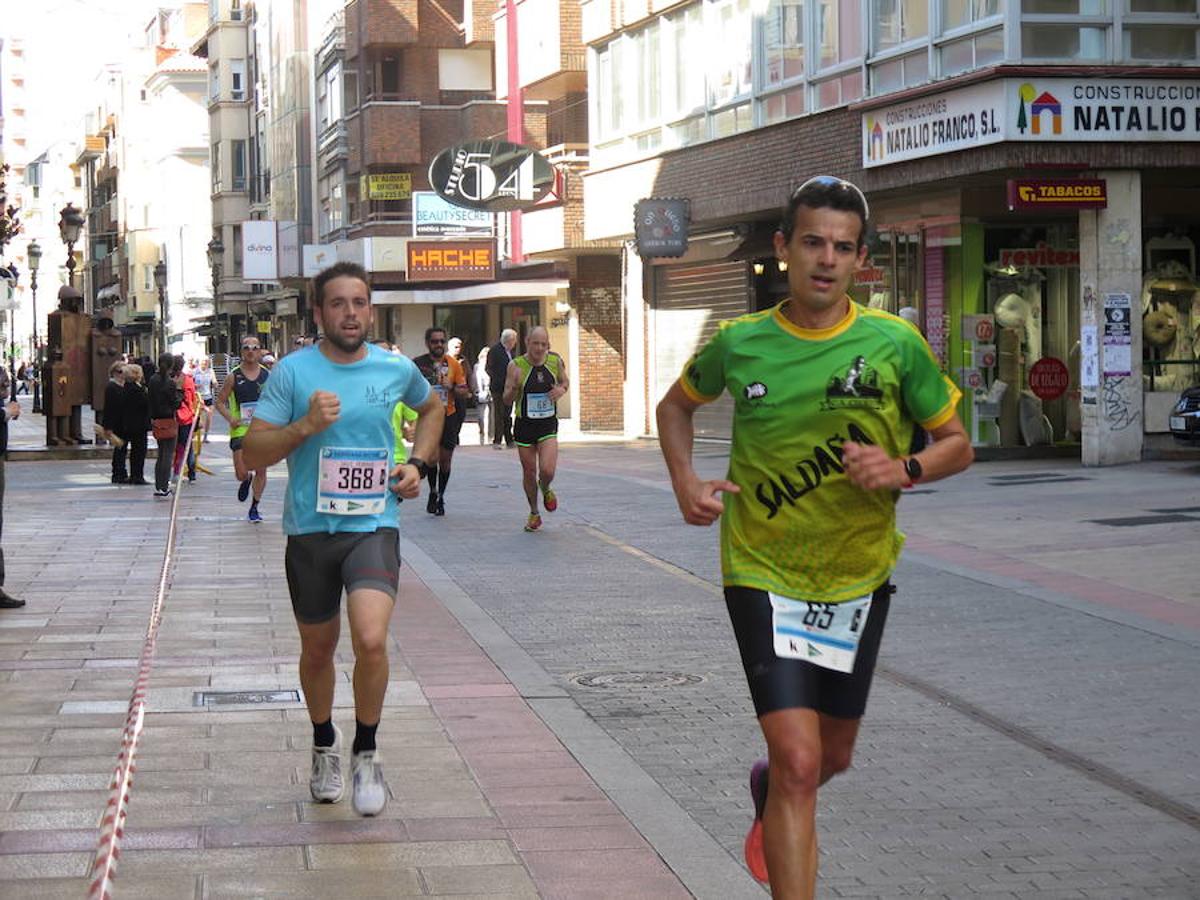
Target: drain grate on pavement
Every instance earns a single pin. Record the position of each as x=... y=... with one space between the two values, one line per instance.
x=243 y=698
x=635 y=679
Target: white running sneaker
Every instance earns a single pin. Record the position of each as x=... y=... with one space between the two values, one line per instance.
x=326 y=782
x=370 y=790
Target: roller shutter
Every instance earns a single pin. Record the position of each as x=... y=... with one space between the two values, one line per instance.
x=690 y=302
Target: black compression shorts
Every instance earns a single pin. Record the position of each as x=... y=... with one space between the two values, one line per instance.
x=320 y=566
x=450 y=429
x=783 y=683
x=529 y=432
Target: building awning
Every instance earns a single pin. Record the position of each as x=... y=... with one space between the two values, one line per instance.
x=474 y=293
x=129 y=329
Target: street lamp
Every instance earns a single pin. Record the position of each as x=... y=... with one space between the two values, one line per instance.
x=216 y=253
x=34 y=254
x=160 y=280
x=70 y=223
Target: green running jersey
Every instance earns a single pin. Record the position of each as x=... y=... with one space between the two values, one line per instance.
x=799 y=527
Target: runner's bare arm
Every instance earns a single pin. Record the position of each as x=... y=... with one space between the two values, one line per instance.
x=222 y=401
x=431 y=415
x=511 y=382
x=564 y=383
x=698 y=500
x=266 y=444
x=870 y=467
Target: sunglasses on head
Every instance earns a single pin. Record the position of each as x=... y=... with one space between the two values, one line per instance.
x=841 y=184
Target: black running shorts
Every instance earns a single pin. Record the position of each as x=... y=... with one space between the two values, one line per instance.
x=320 y=566
x=783 y=683
x=235 y=444
x=450 y=429
x=529 y=432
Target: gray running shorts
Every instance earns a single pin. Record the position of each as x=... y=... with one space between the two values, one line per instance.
x=320 y=566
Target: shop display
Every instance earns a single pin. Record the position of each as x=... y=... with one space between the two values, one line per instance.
x=1170 y=316
x=1015 y=297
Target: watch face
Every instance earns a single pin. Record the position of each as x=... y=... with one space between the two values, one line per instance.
x=913 y=468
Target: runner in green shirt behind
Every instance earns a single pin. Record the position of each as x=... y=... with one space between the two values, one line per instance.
x=826 y=394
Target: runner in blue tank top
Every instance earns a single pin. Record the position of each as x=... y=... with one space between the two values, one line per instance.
x=328 y=410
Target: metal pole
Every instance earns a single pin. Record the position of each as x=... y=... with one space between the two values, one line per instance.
x=37 y=352
x=12 y=354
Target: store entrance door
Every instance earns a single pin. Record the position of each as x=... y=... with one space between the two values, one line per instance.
x=522 y=317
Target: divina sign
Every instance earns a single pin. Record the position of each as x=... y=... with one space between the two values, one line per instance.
x=494 y=176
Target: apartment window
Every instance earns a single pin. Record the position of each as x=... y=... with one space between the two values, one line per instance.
x=237 y=250
x=783 y=41
x=785 y=105
x=214 y=83
x=214 y=10
x=956 y=13
x=237 y=161
x=1161 y=6
x=729 y=51
x=389 y=76
x=689 y=51
x=838 y=91
x=689 y=131
x=350 y=90
x=147 y=277
x=237 y=79
x=649 y=55
x=214 y=164
x=328 y=98
x=235 y=10
x=898 y=22
x=838 y=32
x=972 y=52
x=1045 y=41
x=1064 y=7
x=1164 y=43
x=731 y=121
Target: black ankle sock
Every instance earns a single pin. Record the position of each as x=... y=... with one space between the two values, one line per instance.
x=253 y=504
x=364 y=737
x=323 y=733
x=443 y=477
x=433 y=479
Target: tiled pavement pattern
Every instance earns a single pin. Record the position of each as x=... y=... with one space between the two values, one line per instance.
x=485 y=800
x=1022 y=740
x=1028 y=643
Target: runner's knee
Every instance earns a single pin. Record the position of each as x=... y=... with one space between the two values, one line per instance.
x=835 y=760
x=795 y=770
x=371 y=645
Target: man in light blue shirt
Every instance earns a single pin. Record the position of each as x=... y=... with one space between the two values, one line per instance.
x=328 y=410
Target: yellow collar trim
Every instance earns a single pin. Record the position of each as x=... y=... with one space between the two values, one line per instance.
x=815 y=334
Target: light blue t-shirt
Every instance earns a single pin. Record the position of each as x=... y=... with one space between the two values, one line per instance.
x=368 y=391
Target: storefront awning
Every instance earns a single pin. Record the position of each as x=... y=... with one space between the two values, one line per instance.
x=129 y=329
x=475 y=293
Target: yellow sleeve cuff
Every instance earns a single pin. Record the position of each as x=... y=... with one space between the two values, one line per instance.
x=694 y=395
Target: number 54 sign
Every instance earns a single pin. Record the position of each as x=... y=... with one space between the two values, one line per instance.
x=495 y=176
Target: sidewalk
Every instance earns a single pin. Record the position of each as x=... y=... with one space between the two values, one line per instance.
x=485 y=799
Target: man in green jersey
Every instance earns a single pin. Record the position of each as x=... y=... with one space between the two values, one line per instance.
x=826 y=394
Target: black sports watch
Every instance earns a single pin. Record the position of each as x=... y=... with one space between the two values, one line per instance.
x=422 y=466
x=912 y=468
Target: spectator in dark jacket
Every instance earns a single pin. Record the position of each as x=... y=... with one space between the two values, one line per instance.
x=112 y=420
x=135 y=408
x=165 y=396
x=498 y=358
x=9 y=410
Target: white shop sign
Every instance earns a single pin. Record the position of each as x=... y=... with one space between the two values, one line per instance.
x=1033 y=110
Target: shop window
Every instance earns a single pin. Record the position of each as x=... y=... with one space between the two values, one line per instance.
x=1170 y=347
x=468 y=322
x=1160 y=42
x=783 y=41
x=1063 y=42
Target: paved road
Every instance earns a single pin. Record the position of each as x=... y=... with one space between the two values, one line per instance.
x=1032 y=733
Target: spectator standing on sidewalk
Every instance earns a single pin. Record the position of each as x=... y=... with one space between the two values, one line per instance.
x=184 y=416
x=166 y=393
x=136 y=423
x=499 y=356
x=205 y=382
x=483 y=396
x=9 y=411
x=113 y=421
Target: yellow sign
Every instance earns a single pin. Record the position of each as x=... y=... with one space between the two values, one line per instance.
x=264 y=327
x=393 y=186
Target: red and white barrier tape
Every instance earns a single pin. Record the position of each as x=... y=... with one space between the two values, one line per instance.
x=112 y=826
